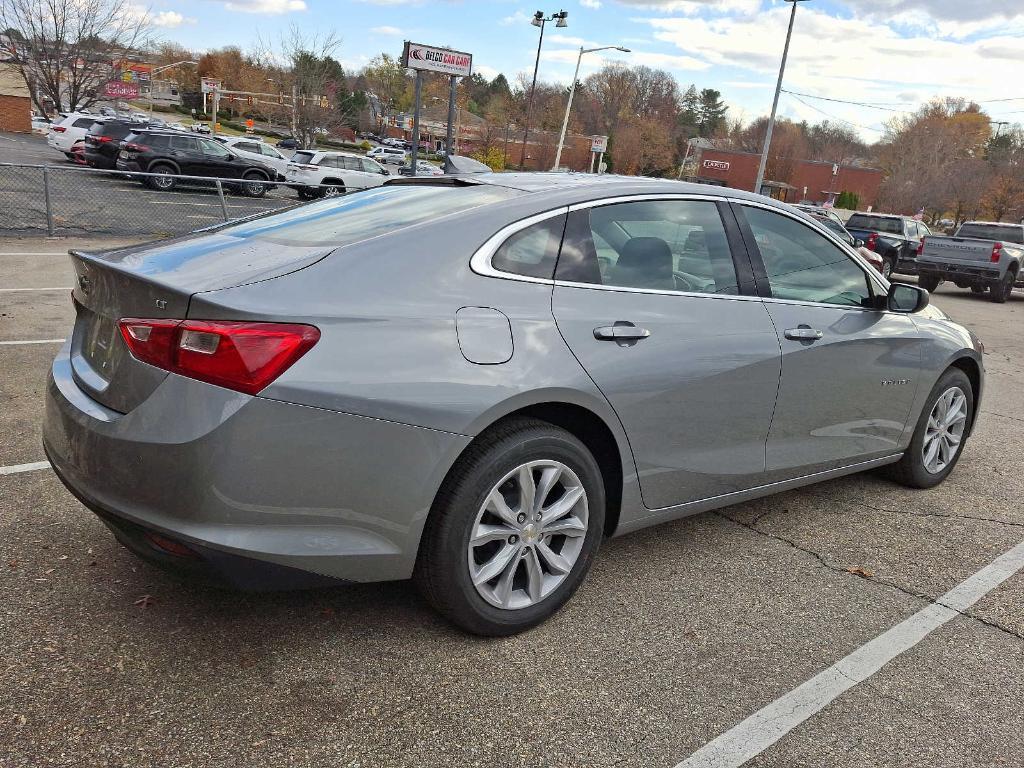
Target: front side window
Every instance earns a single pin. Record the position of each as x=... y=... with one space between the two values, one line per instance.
x=531 y=251
x=802 y=265
x=213 y=149
x=666 y=245
x=269 y=151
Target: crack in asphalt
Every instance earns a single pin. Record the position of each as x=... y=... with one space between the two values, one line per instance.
x=872 y=578
x=917 y=513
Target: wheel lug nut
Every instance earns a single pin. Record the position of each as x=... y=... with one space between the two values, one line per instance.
x=538 y=518
x=521 y=518
x=513 y=539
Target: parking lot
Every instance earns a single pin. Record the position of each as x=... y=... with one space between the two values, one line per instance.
x=680 y=632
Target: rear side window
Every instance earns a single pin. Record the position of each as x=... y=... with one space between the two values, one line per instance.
x=302 y=158
x=532 y=251
x=186 y=143
x=157 y=140
x=992 y=232
x=247 y=146
x=83 y=122
x=876 y=223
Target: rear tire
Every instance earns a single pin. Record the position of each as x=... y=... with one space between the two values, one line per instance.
x=307 y=194
x=888 y=267
x=1001 y=291
x=912 y=470
x=164 y=183
x=534 y=569
x=928 y=282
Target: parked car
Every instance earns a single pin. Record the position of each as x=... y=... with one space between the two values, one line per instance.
x=103 y=142
x=288 y=143
x=198 y=127
x=313 y=173
x=177 y=126
x=390 y=141
x=172 y=154
x=69 y=129
x=423 y=168
x=982 y=255
x=40 y=125
x=255 y=149
x=428 y=380
x=894 y=238
x=108 y=112
x=138 y=117
x=388 y=155
x=831 y=221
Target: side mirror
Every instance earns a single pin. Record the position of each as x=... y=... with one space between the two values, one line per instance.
x=858 y=243
x=906 y=298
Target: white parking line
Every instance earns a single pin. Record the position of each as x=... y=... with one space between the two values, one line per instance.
x=18 y=290
x=16 y=468
x=763 y=728
x=31 y=341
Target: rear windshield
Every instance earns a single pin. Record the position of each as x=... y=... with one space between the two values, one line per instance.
x=876 y=223
x=362 y=215
x=992 y=232
x=302 y=157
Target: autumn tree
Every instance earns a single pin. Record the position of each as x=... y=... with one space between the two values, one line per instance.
x=64 y=48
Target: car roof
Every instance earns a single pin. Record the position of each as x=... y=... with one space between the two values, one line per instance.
x=996 y=223
x=880 y=215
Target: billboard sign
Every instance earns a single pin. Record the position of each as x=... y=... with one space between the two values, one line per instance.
x=117 y=89
x=598 y=143
x=716 y=165
x=443 y=60
x=209 y=84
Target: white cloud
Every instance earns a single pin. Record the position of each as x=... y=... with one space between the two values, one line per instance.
x=485 y=71
x=694 y=7
x=171 y=19
x=595 y=4
x=519 y=17
x=272 y=7
x=385 y=30
x=595 y=61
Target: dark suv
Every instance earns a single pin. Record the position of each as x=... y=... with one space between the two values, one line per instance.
x=103 y=141
x=173 y=153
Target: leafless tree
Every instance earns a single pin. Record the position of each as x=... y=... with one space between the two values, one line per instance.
x=64 y=49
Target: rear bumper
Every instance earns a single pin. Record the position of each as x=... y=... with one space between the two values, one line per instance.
x=967 y=272
x=250 y=484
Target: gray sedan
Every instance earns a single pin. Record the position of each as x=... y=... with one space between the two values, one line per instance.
x=471 y=381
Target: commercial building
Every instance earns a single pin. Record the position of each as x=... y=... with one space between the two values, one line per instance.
x=15 y=101
x=803 y=180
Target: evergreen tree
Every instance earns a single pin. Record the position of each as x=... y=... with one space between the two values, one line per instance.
x=710 y=111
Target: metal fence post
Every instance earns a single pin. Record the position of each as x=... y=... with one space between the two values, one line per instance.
x=223 y=205
x=46 y=197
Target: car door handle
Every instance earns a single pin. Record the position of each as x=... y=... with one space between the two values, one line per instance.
x=803 y=333
x=621 y=331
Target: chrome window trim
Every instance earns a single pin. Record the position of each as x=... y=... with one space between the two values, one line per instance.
x=480 y=262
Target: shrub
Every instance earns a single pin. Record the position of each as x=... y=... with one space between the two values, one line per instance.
x=494 y=158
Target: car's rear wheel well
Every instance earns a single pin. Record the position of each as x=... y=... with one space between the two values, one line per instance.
x=973 y=372
x=156 y=165
x=591 y=430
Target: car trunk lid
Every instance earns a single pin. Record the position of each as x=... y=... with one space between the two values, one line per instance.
x=157 y=282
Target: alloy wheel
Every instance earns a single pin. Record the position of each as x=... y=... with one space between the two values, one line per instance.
x=945 y=430
x=528 y=534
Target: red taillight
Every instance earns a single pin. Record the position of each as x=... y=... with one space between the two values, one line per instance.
x=872 y=241
x=920 y=247
x=997 y=251
x=58 y=129
x=101 y=139
x=133 y=147
x=244 y=356
x=170 y=546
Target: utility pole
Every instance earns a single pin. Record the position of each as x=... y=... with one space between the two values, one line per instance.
x=416 y=121
x=775 y=102
x=449 y=147
x=572 y=92
x=538 y=20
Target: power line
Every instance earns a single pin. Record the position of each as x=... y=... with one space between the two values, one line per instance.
x=833 y=117
x=886 y=107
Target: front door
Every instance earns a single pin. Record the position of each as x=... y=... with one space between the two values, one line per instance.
x=849 y=370
x=647 y=297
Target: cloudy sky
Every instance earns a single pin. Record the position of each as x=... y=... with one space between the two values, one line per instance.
x=892 y=54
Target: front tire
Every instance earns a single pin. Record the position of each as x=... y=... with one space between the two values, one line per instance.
x=940 y=433
x=888 y=267
x=513 y=530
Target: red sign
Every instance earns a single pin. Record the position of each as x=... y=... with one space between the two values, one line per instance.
x=115 y=89
x=716 y=165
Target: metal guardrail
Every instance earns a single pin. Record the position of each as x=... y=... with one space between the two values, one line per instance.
x=75 y=200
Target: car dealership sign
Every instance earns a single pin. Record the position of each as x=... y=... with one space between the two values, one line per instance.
x=447 y=62
x=716 y=165
x=117 y=89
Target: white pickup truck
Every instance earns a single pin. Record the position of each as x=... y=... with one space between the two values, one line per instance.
x=982 y=255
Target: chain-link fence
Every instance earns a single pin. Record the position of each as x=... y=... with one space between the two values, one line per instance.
x=70 y=200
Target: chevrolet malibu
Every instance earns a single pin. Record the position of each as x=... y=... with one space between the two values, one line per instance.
x=472 y=381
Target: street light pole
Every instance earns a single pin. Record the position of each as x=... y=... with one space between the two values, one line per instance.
x=572 y=92
x=539 y=20
x=775 y=102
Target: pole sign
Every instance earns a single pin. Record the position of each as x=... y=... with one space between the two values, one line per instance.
x=116 y=89
x=716 y=165
x=598 y=143
x=430 y=59
x=209 y=84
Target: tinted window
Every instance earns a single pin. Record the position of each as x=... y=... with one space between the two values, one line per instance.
x=992 y=232
x=214 y=149
x=531 y=251
x=362 y=215
x=302 y=158
x=349 y=163
x=247 y=146
x=186 y=143
x=154 y=140
x=891 y=225
x=269 y=151
x=669 y=245
x=838 y=230
x=803 y=265
x=83 y=122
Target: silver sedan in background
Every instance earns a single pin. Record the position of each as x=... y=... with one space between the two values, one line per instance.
x=471 y=381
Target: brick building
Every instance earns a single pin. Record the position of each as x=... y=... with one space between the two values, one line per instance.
x=15 y=101
x=809 y=180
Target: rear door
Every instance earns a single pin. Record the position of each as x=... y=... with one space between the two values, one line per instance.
x=651 y=301
x=849 y=371
x=184 y=150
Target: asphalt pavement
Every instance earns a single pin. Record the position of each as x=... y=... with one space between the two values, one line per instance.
x=679 y=634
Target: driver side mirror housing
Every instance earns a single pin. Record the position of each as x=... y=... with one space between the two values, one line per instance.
x=906 y=298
